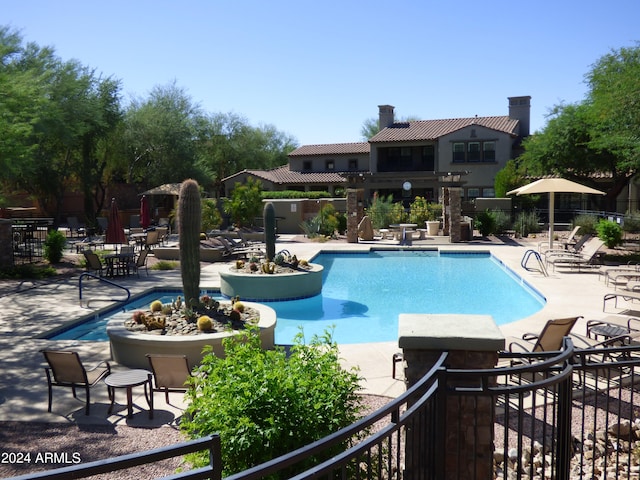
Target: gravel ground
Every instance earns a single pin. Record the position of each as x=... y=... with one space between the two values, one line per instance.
x=95 y=442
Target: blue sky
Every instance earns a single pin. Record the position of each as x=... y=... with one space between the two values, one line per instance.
x=317 y=70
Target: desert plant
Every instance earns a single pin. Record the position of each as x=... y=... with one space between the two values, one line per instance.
x=587 y=223
x=156 y=306
x=526 y=223
x=631 y=223
x=205 y=323
x=609 y=232
x=211 y=218
x=380 y=211
x=256 y=398
x=502 y=220
x=269 y=221
x=164 y=265
x=54 y=246
x=245 y=202
x=189 y=216
x=486 y=223
x=419 y=211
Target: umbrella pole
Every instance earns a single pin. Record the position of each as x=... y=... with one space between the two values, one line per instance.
x=551 y=217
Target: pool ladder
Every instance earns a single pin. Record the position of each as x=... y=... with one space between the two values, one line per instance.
x=104 y=280
x=536 y=256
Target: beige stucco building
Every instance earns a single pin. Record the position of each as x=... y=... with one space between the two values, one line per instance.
x=406 y=159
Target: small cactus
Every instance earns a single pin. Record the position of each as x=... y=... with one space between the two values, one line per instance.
x=138 y=317
x=239 y=306
x=156 y=306
x=205 y=323
x=235 y=316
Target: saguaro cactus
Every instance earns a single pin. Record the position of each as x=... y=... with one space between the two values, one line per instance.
x=269 y=218
x=189 y=217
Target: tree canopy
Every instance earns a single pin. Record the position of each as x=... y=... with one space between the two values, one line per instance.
x=65 y=127
x=601 y=134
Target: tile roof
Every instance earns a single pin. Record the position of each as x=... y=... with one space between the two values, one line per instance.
x=332 y=149
x=434 y=129
x=282 y=175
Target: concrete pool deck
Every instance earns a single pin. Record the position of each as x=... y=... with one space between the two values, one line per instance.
x=29 y=309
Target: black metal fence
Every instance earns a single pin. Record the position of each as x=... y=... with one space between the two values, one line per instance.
x=28 y=237
x=571 y=414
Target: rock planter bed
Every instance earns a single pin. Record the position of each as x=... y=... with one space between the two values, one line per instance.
x=130 y=347
x=282 y=284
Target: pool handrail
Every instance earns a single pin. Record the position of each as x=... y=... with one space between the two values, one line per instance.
x=102 y=279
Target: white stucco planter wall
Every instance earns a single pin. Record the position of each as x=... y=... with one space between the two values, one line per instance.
x=130 y=348
x=280 y=286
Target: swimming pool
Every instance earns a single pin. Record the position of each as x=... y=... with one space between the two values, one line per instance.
x=363 y=294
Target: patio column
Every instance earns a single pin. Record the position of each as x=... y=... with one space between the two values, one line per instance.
x=355 y=212
x=472 y=342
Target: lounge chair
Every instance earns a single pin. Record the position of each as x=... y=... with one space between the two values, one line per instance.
x=94 y=264
x=612 y=326
x=565 y=244
x=619 y=274
x=66 y=370
x=170 y=373
x=626 y=295
x=577 y=248
x=584 y=258
x=549 y=339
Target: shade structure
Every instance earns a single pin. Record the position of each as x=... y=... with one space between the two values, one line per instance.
x=553 y=186
x=165 y=189
x=145 y=216
x=115 y=231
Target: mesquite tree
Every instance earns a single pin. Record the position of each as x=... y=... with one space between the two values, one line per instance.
x=189 y=215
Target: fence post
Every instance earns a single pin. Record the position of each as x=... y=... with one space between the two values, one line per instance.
x=472 y=342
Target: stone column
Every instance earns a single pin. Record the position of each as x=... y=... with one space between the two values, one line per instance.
x=355 y=212
x=455 y=214
x=6 y=243
x=473 y=342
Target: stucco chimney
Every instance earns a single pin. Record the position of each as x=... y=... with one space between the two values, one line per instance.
x=385 y=116
x=520 y=109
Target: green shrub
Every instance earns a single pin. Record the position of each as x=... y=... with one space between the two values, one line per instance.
x=609 y=232
x=295 y=194
x=526 y=223
x=486 y=223
x=631 y=223
x=502 y=221
x=587 y=223
x=211 y=218
x=380 y=211
x=54 y=246
x=264 y=403
x=164 y=265
x=326 y=223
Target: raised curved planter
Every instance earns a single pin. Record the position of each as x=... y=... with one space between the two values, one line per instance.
x=130 y=348
x=280 y=286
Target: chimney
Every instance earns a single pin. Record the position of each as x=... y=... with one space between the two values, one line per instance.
x=520 y=109
x=385 y=116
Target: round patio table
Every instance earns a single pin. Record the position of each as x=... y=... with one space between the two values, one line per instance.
x=129 y=379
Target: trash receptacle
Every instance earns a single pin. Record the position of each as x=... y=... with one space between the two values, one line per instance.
x=465 y=231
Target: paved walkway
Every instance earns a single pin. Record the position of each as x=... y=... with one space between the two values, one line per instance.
x=30 y=309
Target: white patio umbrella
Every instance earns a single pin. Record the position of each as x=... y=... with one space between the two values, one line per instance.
x=553 y=186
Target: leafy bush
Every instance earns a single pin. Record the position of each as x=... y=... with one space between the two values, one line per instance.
x=526 y=223
x=380 y=211
x=631 y=223
x=54 y=246
x=211 y=218
x=325 y=223
x=587 y=223
x=297 y=194
x=609 y=232
x=264 y=403
x=486 y=223
x=502 y=220
x=164 y=265
x=245 y=203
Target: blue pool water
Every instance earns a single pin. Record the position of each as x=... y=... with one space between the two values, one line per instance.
x=363 y=294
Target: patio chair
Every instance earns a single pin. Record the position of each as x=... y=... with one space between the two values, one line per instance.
x=94 y=264
x=577 y=248
x=140 y=262
x=66 y=370
x=151 y=240
x=549 y=339
x=170 y=373
x=584 y=258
